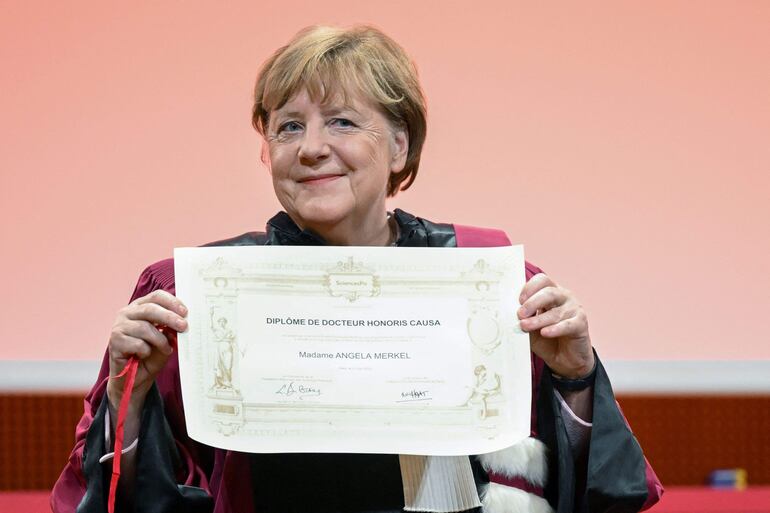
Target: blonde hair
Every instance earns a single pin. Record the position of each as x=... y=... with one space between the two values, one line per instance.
x=330 y=60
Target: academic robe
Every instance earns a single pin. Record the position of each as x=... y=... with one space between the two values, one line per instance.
x=175 y=473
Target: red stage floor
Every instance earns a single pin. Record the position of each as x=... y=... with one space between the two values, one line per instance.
x=703 y=500
x=676 y=500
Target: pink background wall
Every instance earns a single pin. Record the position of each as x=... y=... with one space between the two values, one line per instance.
x=625 y=145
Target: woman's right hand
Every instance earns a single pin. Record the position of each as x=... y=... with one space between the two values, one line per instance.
x=145 y=328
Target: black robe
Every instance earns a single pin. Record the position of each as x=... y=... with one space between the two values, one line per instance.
x=616 y=477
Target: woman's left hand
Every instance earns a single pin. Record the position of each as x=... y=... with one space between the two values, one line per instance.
x=557 y=327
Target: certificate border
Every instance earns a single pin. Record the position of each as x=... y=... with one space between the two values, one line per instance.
x=347 y=278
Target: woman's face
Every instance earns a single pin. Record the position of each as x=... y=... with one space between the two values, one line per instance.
x=331 y=163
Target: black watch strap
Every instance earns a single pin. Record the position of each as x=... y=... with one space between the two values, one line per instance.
x=574 y=385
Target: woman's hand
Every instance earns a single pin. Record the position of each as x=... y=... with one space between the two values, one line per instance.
x=145 y=328
x=557 y=327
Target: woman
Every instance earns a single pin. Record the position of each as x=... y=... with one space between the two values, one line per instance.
x=343 y=119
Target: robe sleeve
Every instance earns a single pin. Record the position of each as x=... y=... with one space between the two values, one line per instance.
x=618 y=478
x=171 y=470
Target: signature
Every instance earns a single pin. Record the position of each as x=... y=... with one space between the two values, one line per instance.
x=413 y=395
x=299 y=390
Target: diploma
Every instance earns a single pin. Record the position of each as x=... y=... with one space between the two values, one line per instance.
x=353 y=349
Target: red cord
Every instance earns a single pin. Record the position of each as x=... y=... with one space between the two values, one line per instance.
x=130 y=373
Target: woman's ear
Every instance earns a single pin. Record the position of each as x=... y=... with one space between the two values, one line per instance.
x=264 y=155
x=400 y=149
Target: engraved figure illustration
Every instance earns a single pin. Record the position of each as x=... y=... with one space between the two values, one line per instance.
x=485 y=387
x=224 y=337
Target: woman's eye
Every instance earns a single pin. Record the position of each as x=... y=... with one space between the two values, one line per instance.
x=289 y=126
x=342 y=123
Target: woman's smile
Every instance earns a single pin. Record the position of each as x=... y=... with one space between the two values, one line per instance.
x=320 y=179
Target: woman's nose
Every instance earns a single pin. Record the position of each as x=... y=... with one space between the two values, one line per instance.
x=314 y=147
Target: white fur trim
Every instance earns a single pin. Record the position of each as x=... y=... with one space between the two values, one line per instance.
x=527 y=459
x=497 y=498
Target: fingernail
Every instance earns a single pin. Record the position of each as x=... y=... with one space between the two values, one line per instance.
x=183 y=309
x=180 y=324
x=523 y=312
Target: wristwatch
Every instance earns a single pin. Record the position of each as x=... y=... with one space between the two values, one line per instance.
x=574 y=385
